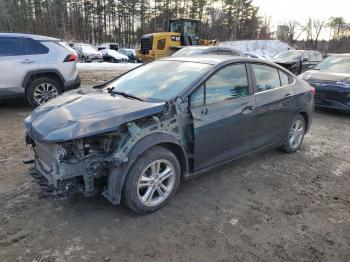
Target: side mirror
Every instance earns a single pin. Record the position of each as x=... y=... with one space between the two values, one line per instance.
x=305 y=59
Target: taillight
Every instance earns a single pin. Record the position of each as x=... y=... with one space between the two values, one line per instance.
x=71 y=58
x=313 y=91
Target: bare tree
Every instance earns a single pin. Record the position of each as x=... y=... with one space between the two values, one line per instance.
x=318 y=26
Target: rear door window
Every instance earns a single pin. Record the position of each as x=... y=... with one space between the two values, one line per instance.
x=37 y=47
x=10 y=46
x=267 y=77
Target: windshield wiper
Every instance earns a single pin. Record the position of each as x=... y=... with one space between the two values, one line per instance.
x=111 y=90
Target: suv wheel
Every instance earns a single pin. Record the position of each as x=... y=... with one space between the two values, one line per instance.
x=152 y=181
x=295 y=135
x=42 y=90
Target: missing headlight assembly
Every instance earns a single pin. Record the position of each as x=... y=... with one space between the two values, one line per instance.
x=95 y=164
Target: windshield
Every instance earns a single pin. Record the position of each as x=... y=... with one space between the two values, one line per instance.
x=292 y=55
x=336 y=63
x=159 y=80
x=188 y=52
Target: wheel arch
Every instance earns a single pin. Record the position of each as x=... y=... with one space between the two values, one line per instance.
x=32 y=75
x=116 y=179
x=306 y=119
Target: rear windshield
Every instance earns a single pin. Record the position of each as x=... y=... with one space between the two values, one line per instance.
x=160 y=80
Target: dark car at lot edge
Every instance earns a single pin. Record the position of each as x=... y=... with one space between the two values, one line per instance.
x=135 y=137
x=298 y=61
x=331 y=79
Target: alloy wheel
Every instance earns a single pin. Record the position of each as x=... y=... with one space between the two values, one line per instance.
x=156 y=182
x=45 y=92
x=296 y=134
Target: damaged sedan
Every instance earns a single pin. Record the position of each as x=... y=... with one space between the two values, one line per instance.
x=134 y=138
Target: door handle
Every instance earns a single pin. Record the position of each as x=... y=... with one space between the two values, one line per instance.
x=247 y=109
x=27 y=61
x=287 y=95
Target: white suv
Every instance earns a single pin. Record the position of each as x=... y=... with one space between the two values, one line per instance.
x=38 y=67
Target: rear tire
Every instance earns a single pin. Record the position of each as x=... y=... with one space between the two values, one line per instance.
x=295 y=136
x=152 y=181
x=41 y=90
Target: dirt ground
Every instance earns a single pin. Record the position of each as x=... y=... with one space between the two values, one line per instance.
x=269 y=207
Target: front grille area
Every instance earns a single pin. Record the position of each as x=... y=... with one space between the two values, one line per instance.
x=46 y=153
x=45 y=161
x=146 y=44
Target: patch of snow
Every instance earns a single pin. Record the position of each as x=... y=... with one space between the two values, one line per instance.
x=234 y=221
x=95 y=66
x=260 y=48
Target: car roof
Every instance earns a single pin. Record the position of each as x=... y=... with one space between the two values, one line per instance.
x=35 y=37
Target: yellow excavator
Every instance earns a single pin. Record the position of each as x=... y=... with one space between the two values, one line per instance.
x=181 y=32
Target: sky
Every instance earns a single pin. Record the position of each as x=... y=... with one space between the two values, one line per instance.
x=282 y=11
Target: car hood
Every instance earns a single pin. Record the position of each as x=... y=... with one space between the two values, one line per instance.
x=324 y=76
x=85 y=112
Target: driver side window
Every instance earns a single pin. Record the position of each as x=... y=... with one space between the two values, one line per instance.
x=197 y=97
x=228 y=83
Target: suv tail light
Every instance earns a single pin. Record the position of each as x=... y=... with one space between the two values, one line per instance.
x=71 y=58
x=313 y=91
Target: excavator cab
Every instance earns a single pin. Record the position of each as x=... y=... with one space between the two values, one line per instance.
x=188 y=28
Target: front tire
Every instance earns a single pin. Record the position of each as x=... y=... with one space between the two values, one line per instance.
x=152 y=181
x=295 y=136
x=42 y=90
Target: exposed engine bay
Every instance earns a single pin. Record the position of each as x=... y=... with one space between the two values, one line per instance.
x=94 y=164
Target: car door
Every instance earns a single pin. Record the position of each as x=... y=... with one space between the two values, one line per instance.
x=223 y=119
x=273 y=104
x=16 y=59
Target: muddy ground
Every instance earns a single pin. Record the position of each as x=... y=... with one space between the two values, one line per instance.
x=269 y=207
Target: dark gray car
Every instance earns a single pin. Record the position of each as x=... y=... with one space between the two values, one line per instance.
x=331 y=79
x=136 y=136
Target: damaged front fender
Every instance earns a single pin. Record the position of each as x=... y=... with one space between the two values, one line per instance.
x=118 y=175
